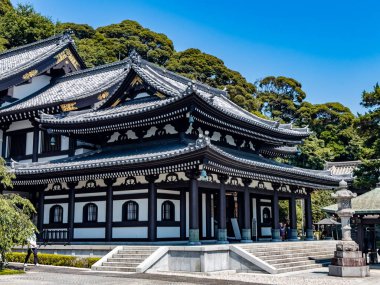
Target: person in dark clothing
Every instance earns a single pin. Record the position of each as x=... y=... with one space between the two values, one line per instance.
x=282 y=231
x=32 y=248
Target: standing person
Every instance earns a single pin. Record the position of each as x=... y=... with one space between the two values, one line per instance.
x=32 y=247
x=282 y=231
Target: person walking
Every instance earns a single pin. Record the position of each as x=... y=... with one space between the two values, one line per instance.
x=32 y=248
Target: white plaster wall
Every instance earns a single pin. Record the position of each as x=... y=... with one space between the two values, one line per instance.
x=118 y=209
x=37 y=83
x=64 y=143
x=29 y=143
x=47 y=211
x=78 y=216
x=90 y=233
x=99 y=194
x=81 y=151
x=56 y=197
x=25 y=161
x=168 y=191
x=20 y=125
x=50 y=158
x=176 y=208
x=168 y=232
x=116 y=193
x=130 y=232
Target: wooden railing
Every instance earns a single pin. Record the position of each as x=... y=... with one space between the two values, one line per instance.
x=51 y=236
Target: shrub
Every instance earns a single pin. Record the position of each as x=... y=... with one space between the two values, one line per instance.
x=54 y=259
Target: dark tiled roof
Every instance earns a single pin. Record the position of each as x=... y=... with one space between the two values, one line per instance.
x=164 y=150
x=176 y=87
x=71 y=87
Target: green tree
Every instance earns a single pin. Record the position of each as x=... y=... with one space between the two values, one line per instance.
x=280 y=97
x=15 y=212
x=211 y=70
x=24 y=25
x=5 y=6
x=319 y=200
x=367 y=174
x=15 y=223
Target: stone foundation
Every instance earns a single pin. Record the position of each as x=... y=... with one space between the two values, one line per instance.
x=348 y=261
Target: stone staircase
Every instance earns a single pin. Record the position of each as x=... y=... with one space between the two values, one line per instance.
x=125 y=259
x=293 y=256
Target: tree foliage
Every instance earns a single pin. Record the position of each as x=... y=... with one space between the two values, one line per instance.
x=279 y=97
x=23 y=25
x=15 y=223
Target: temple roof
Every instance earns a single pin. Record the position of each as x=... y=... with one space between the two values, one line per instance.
x=342 y=167
x=367 y=203
x=162 y=153
x=73 y=86
x=176 y=88
x=36 y=57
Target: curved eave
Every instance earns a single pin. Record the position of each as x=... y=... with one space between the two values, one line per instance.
x=41 y=66
x=173 y=108
x=213 y=157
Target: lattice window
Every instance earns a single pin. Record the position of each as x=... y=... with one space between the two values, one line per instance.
x=56 y=214
x=90 y=213
x=131 y=211
x=167 y=211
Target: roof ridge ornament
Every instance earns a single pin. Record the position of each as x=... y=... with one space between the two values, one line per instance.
x=203 y=140
x=66 y=37
x=191 y=88
x=135 y=57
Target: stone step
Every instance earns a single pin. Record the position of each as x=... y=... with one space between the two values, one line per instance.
x=290 y=259
x=293 y=264
x=300 y=268
x=141 y=247
x=126 y=255
x=135 y=251
x=292 y=255
x=126 y=260
x=113 y=268
x=120 y=264
x=283 y=252
x=287 y=245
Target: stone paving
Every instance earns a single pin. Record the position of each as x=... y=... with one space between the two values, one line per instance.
x=49 y=275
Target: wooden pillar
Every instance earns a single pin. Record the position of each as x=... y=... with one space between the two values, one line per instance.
x=276 y=213
x=4 y=143
x=293 y=215
x=246 y=232
x=222 y=226
x=109 y=207
x=72 y=145
x=194 y=209
x=183 y=214
x=40 y=213
x=36 y=141
x=71 y=210
x=308 y=215
x=152 y=207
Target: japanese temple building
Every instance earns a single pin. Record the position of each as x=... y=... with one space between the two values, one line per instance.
x=130 y=151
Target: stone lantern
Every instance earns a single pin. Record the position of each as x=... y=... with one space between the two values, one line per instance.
x=348 y=260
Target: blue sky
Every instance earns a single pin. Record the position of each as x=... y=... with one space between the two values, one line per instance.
x=331 y=47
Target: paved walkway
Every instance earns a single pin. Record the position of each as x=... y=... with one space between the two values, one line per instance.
x=49 y=275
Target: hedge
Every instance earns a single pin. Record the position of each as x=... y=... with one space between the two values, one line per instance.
x=11 y=272
x=54 y=259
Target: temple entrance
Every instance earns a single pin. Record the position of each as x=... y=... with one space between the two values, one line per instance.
x=230 y=214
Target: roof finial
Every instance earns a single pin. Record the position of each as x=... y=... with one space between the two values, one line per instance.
x=66 y=36
x=191 y=88
x=135 y=57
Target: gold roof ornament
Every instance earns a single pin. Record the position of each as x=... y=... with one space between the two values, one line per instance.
x=30 y=74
